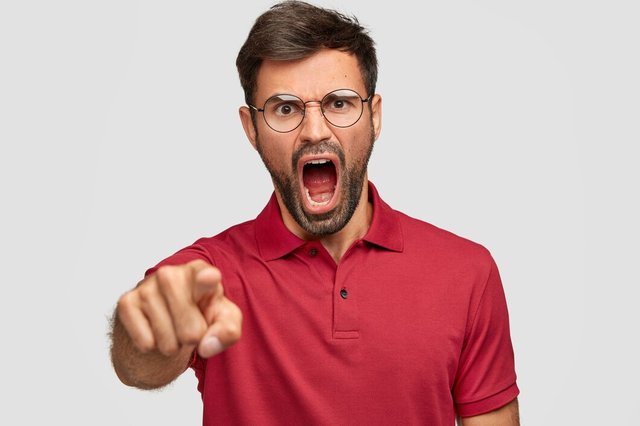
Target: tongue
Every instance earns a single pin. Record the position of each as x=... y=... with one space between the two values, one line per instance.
x=320 y=180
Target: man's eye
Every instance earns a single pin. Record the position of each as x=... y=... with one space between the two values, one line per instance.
x=285 y=109
x=338 y=104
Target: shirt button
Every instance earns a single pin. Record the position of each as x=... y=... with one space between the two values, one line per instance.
x=344 y=293
x=313 y=252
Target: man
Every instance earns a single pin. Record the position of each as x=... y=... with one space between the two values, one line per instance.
x=351 y=312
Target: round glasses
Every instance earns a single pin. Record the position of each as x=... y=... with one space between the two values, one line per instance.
x=284 y=113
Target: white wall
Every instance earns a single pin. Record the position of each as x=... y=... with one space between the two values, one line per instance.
x=511 y=123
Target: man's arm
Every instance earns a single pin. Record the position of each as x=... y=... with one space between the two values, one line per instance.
x=508 y=415
x=170 y=314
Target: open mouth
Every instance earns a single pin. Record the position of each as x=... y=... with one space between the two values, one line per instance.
x=319 y=181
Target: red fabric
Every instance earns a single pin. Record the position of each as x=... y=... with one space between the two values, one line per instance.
x=419 y=334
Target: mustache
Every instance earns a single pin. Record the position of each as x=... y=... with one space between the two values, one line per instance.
x=316 y=149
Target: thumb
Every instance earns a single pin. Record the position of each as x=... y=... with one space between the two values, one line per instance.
x=225 y=329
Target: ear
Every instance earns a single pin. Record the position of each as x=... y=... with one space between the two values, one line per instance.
x=376 y=115
x=247 y=125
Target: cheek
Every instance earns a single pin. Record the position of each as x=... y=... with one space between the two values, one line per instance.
x=358 y=142
x=275 y=152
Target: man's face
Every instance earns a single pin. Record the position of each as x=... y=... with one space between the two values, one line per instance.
x=318 y=170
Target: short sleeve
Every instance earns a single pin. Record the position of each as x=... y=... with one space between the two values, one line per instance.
x=183 y=256
x=486 y=378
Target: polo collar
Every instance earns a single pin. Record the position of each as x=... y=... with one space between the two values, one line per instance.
x=385 y=230
x=275 y=240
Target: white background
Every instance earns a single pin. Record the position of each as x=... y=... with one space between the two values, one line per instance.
x=514 y=124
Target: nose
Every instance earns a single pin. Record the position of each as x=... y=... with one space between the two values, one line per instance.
x=314 y=127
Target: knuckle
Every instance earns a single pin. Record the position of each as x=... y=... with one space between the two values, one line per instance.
x=144 y=345
x=147 y=294
x=235 y=331
x=197 y=263
x=232 y=311
x=218 y=292
x=168 y=348
x=126 y=310
x=166 y=274
x=191 y=332
x=232 y=331
x=167 y=343
x=171 y=279
x=127 y=301
x=236 y=311
x=230 y=317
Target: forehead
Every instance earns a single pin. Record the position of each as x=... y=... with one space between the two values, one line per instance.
x=310 y=78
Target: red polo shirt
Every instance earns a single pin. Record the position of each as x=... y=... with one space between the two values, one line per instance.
x=411 y=327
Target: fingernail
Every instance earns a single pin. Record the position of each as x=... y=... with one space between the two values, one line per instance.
x=210 y=346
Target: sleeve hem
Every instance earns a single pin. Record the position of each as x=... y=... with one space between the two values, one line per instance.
x=488 y=404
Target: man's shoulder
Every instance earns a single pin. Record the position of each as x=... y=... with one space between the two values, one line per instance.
x=214 y=249
x=423 y=235
x=241 y=234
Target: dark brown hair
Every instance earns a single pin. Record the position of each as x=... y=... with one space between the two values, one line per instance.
x=294 y=30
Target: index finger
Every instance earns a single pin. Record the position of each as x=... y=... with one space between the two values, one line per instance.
x=206 y=281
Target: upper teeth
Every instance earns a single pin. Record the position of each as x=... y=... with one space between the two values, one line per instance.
x=318 y=161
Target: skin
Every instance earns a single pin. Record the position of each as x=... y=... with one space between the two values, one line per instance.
x=181 y=309
x=507 y=415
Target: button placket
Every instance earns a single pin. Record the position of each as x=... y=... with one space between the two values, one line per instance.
x=346 y=314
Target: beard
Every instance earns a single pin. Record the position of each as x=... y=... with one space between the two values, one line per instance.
x=352 y=179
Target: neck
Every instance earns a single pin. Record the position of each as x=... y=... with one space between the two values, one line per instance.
x=338 y=243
